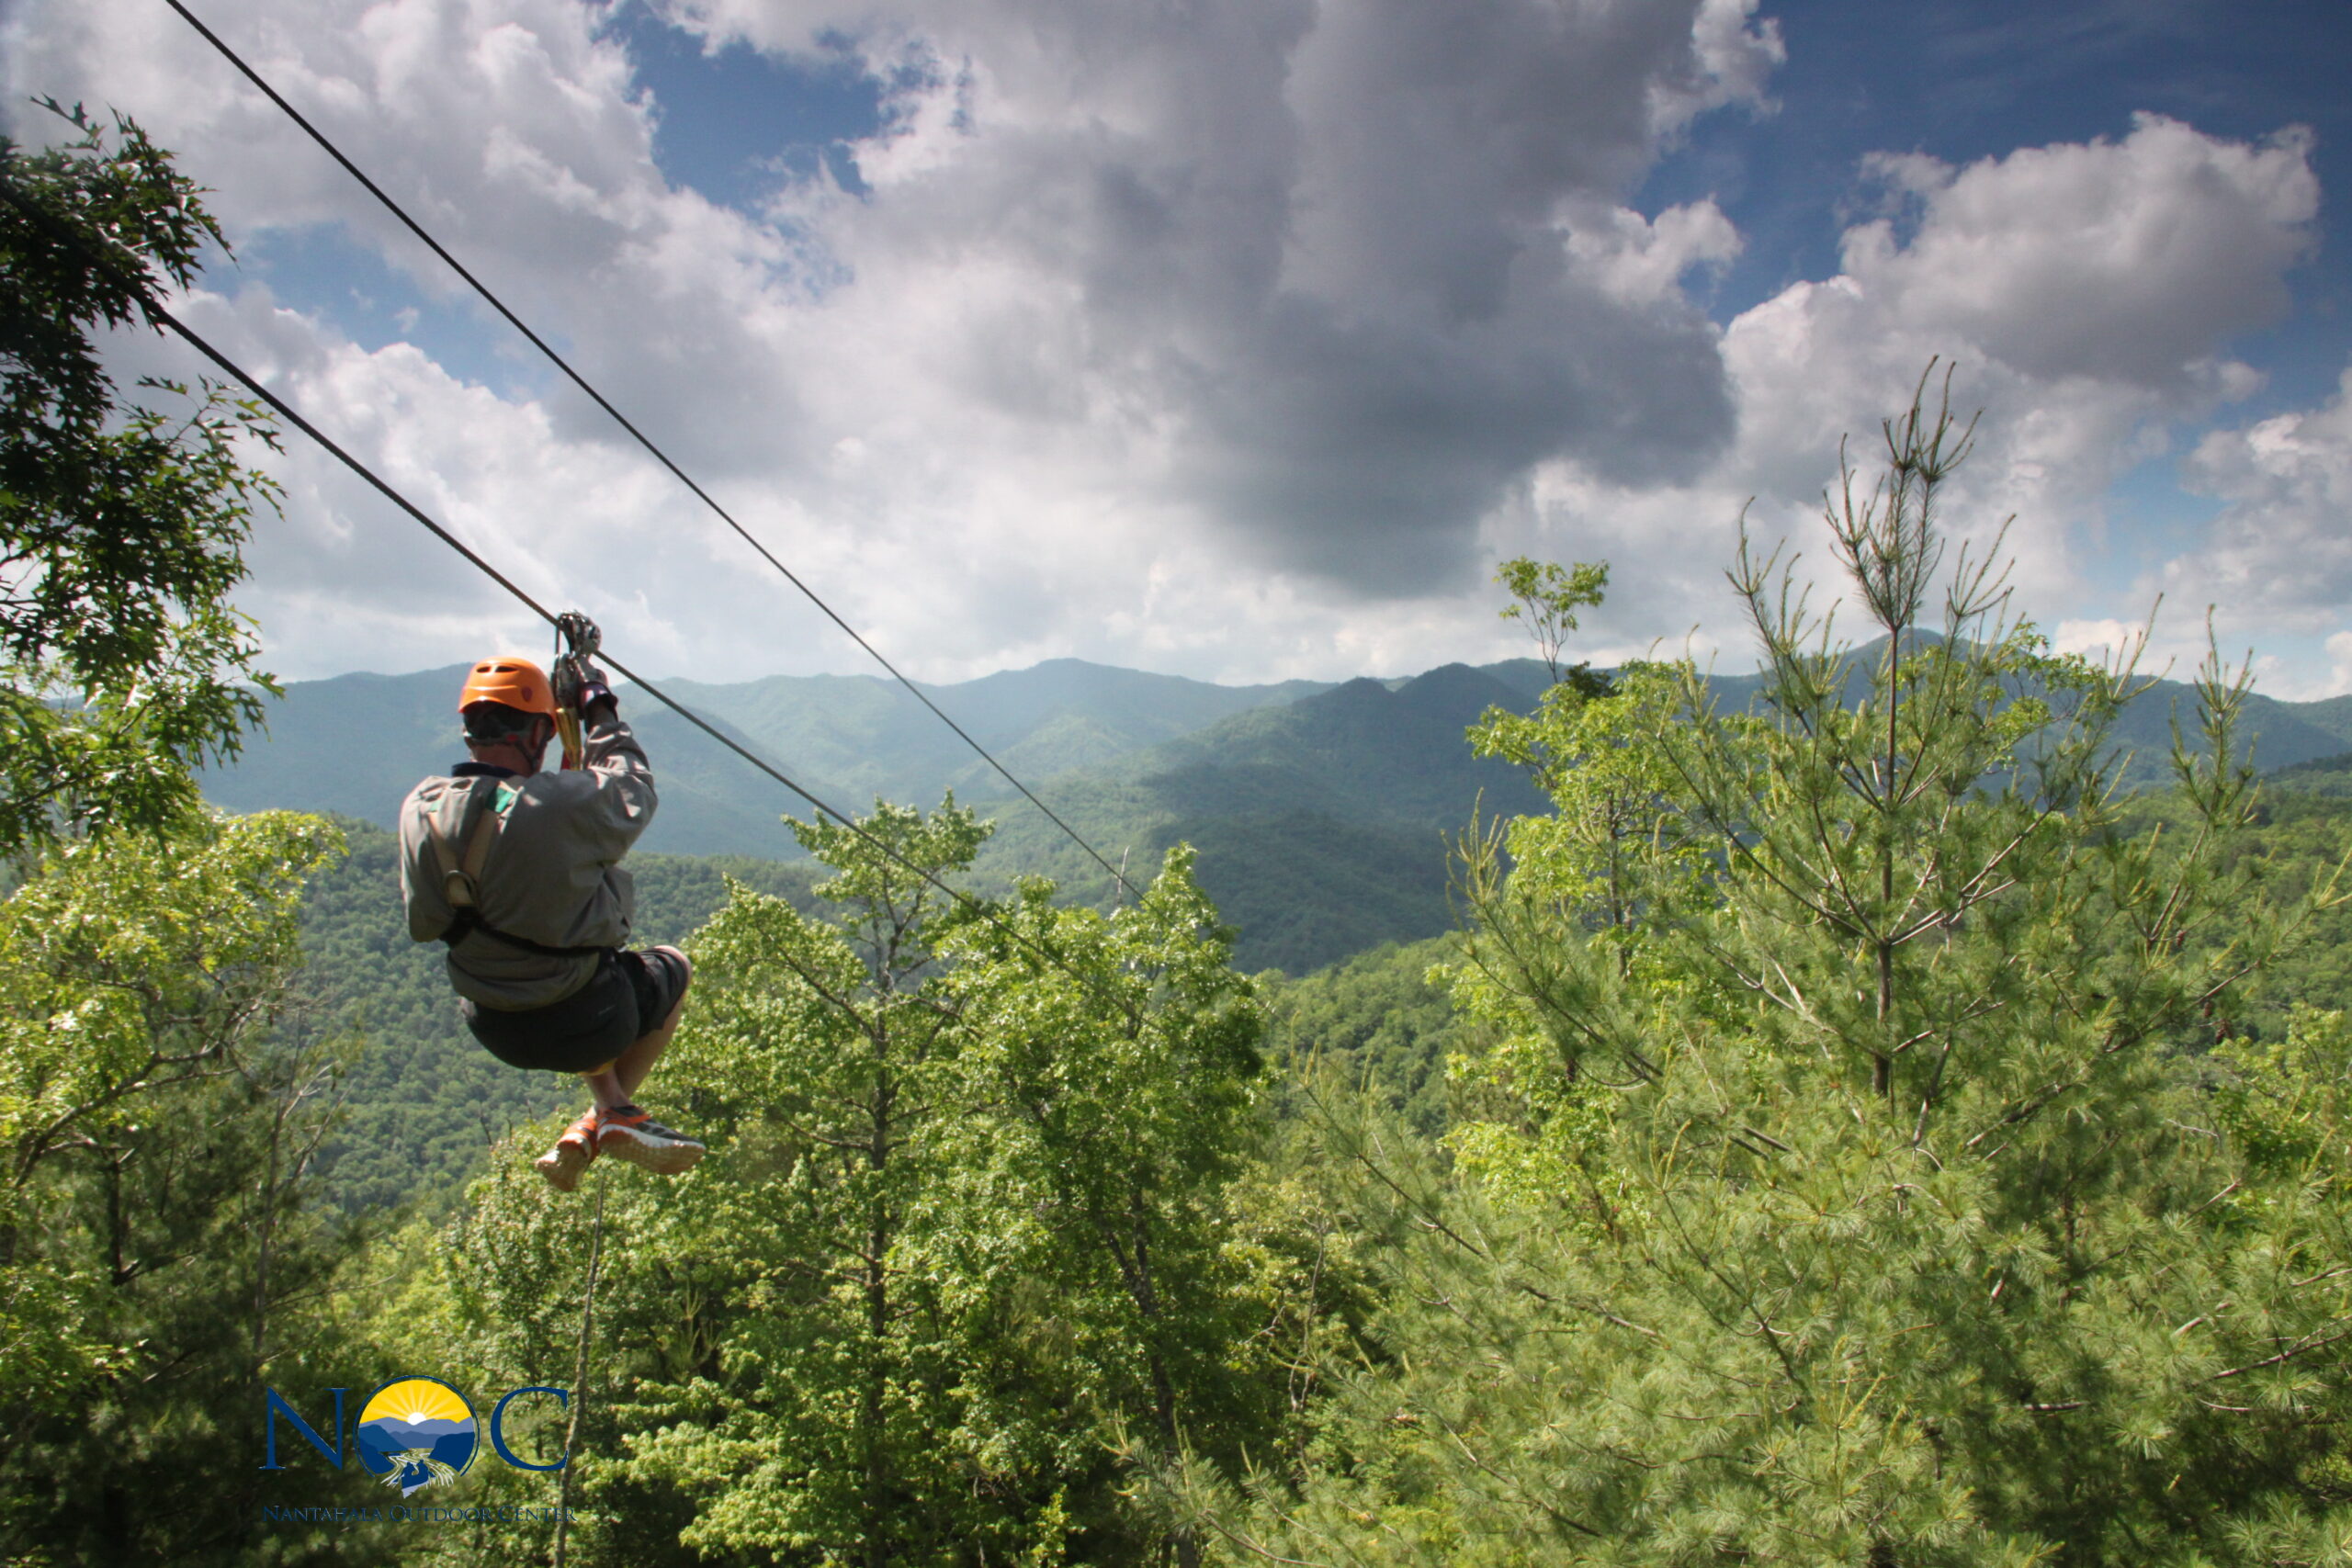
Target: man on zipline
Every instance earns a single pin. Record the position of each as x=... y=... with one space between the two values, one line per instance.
x=518 y=871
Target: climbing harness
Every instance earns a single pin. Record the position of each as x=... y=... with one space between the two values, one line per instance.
x=576 y=641
x=461 y=880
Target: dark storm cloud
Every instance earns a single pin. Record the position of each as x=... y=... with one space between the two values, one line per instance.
x=1326 y=248
x=1366 y=451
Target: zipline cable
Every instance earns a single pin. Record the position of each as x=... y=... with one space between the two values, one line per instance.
x=643 y=440
x=157 y=314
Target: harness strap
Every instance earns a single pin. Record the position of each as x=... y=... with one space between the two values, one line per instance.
x=469 y=877
x=457 y=885
x=468 y=923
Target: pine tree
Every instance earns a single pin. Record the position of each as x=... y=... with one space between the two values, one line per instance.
x=1866 y=1197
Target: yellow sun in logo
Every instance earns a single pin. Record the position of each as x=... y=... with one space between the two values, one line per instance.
x=416 y=1401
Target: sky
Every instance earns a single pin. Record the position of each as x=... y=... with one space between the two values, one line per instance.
x=1243 y=339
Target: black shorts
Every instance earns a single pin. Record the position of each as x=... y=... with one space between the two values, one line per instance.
x=625 y=1000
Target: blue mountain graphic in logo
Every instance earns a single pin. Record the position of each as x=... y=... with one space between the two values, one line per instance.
x=411 y=1437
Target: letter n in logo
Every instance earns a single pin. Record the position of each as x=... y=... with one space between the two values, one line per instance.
x=277 y=1406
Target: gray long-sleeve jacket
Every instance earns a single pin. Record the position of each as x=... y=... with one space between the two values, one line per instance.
x=552 y=877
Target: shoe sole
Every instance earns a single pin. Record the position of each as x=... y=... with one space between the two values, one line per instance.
x=662 y=1159
x=562 y=1164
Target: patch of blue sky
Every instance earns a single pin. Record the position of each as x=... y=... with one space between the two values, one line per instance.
x=2294 y=666
x=2304 y=358
x=737 y=124
x=318 y=270
x=2150 y=520
x=1962 y=80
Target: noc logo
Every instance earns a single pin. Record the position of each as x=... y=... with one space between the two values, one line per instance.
x=414 y=1432
x=417 y=1432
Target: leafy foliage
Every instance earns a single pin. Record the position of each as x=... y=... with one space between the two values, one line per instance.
x=969 y=1227
x=121 y=663
x=128 y=969
x=161 y=1247
x=1374 y=1024
x=2328 y=776
x=1546 y=596
x=1851 y=1128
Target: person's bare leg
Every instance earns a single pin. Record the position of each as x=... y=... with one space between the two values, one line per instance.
x=613 y=1087
x=616 y=1084
x=634 y=1137
x=605 y=1089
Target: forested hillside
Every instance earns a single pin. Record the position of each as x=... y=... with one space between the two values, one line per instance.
x=2325 y=775
x=870 y=737
x=1321 y=820
x=1323 y=825
x=1322 y=814
x=1310 y=873
x=354 y=744
x=425 y=1103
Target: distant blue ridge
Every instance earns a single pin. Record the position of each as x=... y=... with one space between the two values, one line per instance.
x=451 y=1442
x=419 y=1435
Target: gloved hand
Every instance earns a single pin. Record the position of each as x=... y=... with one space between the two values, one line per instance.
x=597 y=704
x=579 y=684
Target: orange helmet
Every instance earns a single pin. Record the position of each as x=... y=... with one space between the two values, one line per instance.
x=515 y=683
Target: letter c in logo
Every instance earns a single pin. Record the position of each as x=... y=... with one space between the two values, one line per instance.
x=498 y=1437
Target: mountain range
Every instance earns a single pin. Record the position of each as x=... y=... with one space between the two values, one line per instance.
x=1321 y=811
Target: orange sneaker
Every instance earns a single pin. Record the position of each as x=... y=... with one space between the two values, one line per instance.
x=562 y=1164
x=627 y=1133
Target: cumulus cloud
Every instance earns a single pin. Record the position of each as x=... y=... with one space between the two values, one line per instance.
x=2120 y=262
x=1237 y=338
x=1288 y=290
x=2281 y=552
x=1312 y=275
x=2086 y=293
x=2339 y=665
x=2085 y=290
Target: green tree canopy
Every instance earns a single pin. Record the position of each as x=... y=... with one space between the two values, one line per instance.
x=965 y=1237
x=125 y=969
x=121 y=525
x=160 y=1253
